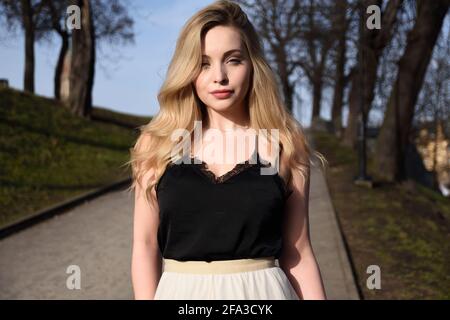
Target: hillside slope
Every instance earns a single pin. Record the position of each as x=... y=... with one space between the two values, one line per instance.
x=48 y=155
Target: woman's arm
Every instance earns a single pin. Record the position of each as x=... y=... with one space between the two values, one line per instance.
x=297 y=259
x=146 y=264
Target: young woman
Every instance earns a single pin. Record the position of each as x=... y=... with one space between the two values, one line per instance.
x=205 y=226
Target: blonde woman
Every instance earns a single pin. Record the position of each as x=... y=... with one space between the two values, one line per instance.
x=205 y=226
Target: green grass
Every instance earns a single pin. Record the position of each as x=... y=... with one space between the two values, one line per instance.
x=48 y=155
x=118 y=118
x=403 y=228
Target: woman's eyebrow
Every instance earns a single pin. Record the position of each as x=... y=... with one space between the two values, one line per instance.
x=226 y=53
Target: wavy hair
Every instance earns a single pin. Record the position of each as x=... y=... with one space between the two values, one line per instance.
x=180 y=106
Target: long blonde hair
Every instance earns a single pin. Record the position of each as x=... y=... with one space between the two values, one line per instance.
x=180 y=106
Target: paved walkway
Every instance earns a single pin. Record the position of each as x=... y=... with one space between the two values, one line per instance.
x=97 y=237
x=327 y=241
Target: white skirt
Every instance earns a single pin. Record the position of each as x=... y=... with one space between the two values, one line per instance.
x=242 y=279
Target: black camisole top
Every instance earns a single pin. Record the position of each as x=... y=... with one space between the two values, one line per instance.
x=235 y=216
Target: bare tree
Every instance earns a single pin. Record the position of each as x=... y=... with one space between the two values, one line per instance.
x=372 y=46
x=55 y=16
x=83 y=62
x=27 y=15
x=113 y=26
x=317 y=39
x=299 y=41
x=278 y=23
x=394 y=135
x=340 y=26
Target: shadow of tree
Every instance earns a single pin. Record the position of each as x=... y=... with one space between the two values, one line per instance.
x=67 y=138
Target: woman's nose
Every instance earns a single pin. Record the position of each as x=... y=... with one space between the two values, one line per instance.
x=220 y=74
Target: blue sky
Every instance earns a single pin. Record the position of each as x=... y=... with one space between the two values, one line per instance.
x=127 y=78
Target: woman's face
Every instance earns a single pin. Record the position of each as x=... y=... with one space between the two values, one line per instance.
x=225 y=66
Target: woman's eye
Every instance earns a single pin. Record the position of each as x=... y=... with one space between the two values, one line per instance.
x=235 y=61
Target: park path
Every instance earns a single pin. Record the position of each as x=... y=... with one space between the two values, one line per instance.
x=97 y=237
x=327 y=240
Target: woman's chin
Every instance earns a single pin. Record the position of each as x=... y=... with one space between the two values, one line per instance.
x=221 y=107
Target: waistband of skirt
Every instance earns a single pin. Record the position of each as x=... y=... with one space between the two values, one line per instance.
x=219 y=266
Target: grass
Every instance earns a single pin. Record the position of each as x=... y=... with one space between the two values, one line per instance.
x=122 y=119
x=48 y=155
x=403 y=228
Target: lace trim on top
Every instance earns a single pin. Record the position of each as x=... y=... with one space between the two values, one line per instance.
x=238 y=168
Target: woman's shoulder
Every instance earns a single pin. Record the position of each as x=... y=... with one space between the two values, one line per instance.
x=275 y=156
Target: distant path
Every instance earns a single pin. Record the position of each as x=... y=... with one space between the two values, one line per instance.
x=327 y=240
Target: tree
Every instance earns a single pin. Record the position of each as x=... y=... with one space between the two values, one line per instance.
x=299 y=39
x=318 y=41
x=113 y=26
x=278 y=23
x=83 y=62
x=56 y=20
x=340 y=26
x=372 y=45
x=27 y=15
x=394 y=135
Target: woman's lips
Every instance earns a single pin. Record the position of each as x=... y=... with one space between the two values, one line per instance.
x=222 y=94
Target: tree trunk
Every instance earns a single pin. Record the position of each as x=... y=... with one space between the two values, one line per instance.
x=60 y=64
x=373 y=44
x=83 y=63
x=286 y=85
x=317 y=97
x=370 y=66
x=27 y=20
x=339 y=86
x=339 y=78
x=288 y=93
x=394 y=135
x=353 y=109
